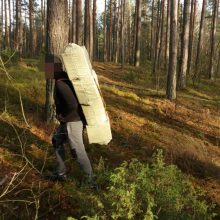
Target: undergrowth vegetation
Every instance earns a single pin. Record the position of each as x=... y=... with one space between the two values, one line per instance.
x=180 y=181
x=137 y=190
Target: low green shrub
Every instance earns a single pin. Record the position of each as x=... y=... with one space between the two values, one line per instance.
x=137 y=190
x=157 y=191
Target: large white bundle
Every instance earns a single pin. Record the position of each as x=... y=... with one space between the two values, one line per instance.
x=83 y=77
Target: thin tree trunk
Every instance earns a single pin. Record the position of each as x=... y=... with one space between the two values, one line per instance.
x=73 y=21
x=94 y=31
x=184 y=47
x=161 y=33
x=199 y=47
x=114 y=30
x=191 y=34
x=86 y=26
x=171 y=77
x=1 y=26
x=167 y=34
x=129 y=33
x=123 y=3
x=31 y=21
x=157 y=43
x=10 y=23
x=43 y=26
x=79 y=22
x=152 y=32
x=6 y=26
x=213 y=41
x=110 y=33
x=57 y=39
x=117 y=35
x=138 y=34
x=19 y=29
x=105 y=33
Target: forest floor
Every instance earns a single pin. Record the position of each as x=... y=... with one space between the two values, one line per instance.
x=142 y=120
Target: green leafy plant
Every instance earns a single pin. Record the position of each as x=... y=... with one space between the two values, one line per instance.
x=157 y=191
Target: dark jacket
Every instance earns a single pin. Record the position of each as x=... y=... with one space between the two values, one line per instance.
x=67 y=106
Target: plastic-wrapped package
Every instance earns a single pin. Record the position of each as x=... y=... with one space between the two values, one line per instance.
x=85 y=82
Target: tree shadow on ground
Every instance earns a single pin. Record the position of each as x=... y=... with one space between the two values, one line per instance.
x=186 y=161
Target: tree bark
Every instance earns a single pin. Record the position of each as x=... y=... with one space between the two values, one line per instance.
x=43 y=26
x=213 y=41
x=117 y=35
x=110 y=33
x=191 y=34
x=199 y=47
x=31 y=35
x=161 y=33
x=157 y=43
x=10 y=23
x=73 y=37
x=19 y=29
x=167 y=35
x=152 y=32
x=57 y=39
x=6 y=25
x=123 y=3
x=1 y=26
x=138 y=34
x=94 y=31
x=79 y=22
x=171 y=77
x=184 y=47
x=105 y=33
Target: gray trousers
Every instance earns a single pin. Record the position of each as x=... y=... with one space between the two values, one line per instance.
x=72 y=132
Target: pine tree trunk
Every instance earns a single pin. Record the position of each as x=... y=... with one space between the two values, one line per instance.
x=123 y=3
x=105 y=33
x=56 y=40
x=86 y=26
x=157 y=43
x=6 y=25
x=10 y=23
x=199 y=47
x=138 y=34
x=152 y=32
x=73 y=37
x=90 y=31
x=94 y=31
x=79 y=22
x=171 y=77
x=110 y=34
x=129 y=33
x=1 y=26
x=114 y=30
x=184 y=47
x=167 y=35
x=19 y=29
x=161 y=33
x=31 y=35
x=117 y=35
x=43 y=26
x=191 y=34
x=213 y=40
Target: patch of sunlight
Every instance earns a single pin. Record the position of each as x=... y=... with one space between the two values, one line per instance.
x=121 y=93
x=198 y=94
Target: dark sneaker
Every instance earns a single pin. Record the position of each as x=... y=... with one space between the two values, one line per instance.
x=57 y=177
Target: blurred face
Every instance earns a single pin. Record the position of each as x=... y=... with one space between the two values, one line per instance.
x=53 y=64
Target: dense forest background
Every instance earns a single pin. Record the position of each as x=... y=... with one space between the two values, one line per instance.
x=158 y=65
x=127 y=32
